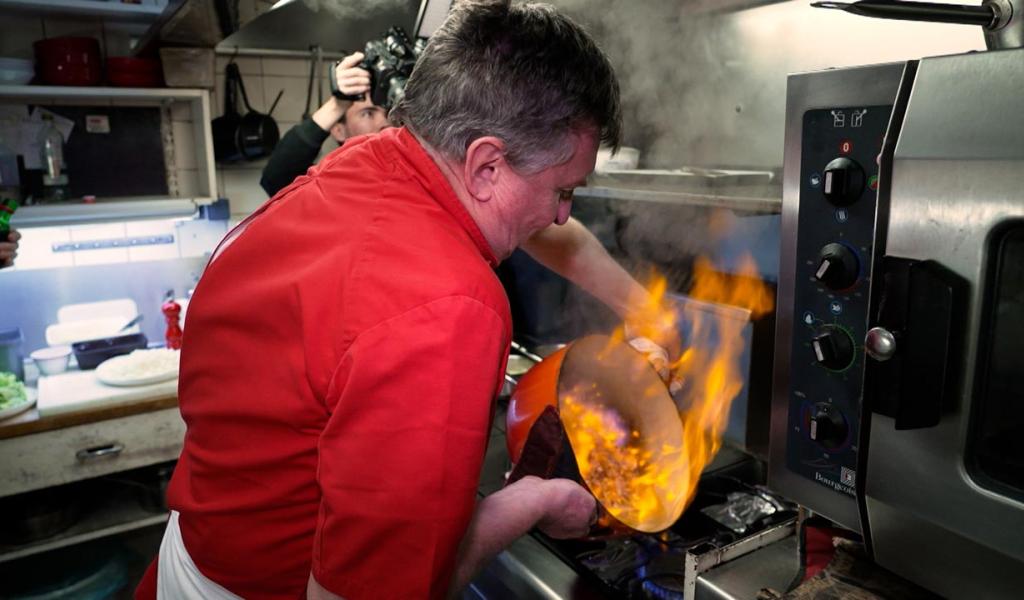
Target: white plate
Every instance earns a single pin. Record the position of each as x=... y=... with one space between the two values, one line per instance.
x=17 y=409
x=106 y=373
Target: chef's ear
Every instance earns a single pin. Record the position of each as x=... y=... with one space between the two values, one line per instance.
x=484 y=167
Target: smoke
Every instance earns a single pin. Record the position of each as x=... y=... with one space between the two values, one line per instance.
x=674 y=71
x=355 y=9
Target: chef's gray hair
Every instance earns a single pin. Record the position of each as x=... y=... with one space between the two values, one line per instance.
x=523 y=73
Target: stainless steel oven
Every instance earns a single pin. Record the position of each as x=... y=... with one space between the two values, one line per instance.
x=898 y=395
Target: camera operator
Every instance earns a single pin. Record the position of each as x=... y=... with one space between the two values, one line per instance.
x=339 y=119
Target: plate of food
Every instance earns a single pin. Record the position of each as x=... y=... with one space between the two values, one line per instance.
x=15 y=398
x=141 y=367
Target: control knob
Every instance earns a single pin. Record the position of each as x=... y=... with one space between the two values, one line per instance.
x=827 y=426
x=833 y=348
x=838 y=267
x=843 y=182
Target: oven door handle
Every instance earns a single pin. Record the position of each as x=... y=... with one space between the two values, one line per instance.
x=916 y=342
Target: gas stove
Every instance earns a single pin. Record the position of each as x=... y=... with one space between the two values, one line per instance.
x=654 y=566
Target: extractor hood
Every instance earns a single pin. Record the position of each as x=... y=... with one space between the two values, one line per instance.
x=336 y=26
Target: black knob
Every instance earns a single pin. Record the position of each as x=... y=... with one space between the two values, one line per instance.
x=838 y=267
x=833 y=348
x=843 y=182
x=827 y=426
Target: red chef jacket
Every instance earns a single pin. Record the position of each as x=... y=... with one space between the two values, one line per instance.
x=337 y=378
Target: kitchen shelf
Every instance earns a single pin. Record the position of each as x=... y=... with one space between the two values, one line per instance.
x=198 y=102
x=65 y=92
x=109 y=11
x=756 y=205
x=119 y=514
x=52 y=215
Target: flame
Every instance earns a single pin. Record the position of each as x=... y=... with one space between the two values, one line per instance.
x=647 y=483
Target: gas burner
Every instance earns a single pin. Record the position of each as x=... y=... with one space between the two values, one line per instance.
x=663 y=577
x=617 y=561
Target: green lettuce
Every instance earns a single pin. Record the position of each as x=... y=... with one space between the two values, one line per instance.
x=12 y=391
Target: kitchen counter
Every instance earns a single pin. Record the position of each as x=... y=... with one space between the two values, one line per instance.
x=30 y=422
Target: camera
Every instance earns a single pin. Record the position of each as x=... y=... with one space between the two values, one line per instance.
x=389 y=60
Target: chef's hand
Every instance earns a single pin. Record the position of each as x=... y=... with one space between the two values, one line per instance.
x=570 y=509
x=9 y=248
x=352 y=79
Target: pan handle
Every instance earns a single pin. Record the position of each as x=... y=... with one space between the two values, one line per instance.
x=522 y=350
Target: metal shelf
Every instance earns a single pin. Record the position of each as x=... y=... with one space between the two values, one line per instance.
x=46 y=92
x=198 y=101
x=110 y=11
x=119 y=514
x=762 y=205
x=51 y=215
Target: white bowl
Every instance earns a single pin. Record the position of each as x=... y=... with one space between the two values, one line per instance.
x=16 y=71
x=52 y=360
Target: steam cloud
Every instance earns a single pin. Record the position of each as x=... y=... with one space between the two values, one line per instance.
x=351 y=9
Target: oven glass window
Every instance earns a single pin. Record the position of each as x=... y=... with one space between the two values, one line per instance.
x=998 y=441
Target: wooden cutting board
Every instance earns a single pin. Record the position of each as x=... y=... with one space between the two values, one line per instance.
x=80 y=390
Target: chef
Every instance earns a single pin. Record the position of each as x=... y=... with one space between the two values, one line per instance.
x=346 y=342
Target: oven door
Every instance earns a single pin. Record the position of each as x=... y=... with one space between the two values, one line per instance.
x=944 y=486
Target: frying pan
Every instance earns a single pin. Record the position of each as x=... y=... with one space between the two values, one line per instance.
x=610 y=376
x=237 y=137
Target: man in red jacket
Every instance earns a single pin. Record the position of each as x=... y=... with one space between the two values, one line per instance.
x=347 y=341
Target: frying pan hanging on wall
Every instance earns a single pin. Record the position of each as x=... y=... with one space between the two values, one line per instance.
x=238 y=137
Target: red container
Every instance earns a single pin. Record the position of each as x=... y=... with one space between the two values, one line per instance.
x=126 y=71
x=69 y=61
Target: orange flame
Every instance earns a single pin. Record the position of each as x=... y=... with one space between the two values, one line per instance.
x=641 y=484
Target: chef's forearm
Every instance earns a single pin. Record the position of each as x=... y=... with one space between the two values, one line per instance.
x=499 y=520
x=573 y=252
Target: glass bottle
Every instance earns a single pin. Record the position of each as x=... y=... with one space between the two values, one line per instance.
x=51 y=152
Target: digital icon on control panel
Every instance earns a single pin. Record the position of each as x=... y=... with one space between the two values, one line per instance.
x=845 y=147
x=835 y=307
x=838 y=118
x=814 y=180
x=842 y=215
x=809 y=318
x=857 y=117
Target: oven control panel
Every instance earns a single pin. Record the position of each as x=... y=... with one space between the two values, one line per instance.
x=838 y=182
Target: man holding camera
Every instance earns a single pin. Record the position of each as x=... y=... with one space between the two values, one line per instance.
x=336 y=434
x=338 y=119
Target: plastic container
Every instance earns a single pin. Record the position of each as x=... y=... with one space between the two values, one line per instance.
x=11 y=358
x=188 y=67
x=69 y=60
x=91 y=353
x=52 y=360
x=128 y=71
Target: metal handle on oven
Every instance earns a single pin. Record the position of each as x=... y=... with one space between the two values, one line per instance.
x=99 y=452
